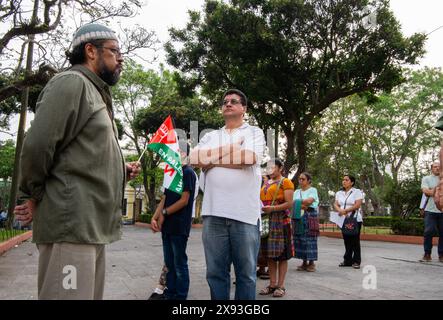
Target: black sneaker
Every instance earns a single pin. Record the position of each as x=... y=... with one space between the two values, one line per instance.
x=157 y=296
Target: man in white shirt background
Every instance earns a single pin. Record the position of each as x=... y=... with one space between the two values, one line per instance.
x=433 y=217
x=230 y=158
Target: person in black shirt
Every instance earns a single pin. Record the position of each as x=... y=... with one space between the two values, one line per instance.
x=173 y=217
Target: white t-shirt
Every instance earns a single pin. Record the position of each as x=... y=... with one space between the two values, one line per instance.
x=350 y=198
x=233 y=193
x=430 y=182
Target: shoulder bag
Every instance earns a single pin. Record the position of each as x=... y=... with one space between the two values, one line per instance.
x=264 y=233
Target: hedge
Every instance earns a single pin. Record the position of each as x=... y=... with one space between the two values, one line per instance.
x=145 y=218
x=406 y=227
x=378 y=221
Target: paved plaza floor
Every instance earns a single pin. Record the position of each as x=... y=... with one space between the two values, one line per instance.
x=134 y=265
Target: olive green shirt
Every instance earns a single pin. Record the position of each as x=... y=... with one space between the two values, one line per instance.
x=72 y=164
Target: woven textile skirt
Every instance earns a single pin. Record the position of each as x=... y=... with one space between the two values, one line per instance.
x=306 y=247
x=278 y=245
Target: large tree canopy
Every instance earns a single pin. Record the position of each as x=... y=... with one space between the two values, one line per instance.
x=48 y=24
x=293 y=58
x=388 y=143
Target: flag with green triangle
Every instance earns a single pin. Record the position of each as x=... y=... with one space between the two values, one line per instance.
x=165 y=144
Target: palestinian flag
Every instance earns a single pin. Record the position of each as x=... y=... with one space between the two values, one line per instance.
x=165 y=144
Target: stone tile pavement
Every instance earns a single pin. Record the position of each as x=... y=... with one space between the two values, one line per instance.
x=134 y=265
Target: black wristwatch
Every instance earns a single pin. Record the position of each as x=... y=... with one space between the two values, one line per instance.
x=165 y=213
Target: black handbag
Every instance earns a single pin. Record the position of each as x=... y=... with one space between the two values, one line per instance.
x=350 y=225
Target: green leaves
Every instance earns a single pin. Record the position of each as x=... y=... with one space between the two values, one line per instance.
x=386 y=138
x=7 y=155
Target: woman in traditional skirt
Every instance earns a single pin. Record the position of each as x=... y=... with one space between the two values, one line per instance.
x=276 y=195
x=305 y=223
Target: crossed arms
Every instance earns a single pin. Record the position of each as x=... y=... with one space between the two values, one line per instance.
x=227 y=156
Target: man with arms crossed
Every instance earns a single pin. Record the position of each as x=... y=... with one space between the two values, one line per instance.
x=231 y=158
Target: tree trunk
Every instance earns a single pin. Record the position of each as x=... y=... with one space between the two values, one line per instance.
x=367 y=188
x=277 y=132
x=397 y=206
x=295 y=143
x=22 y=124
x=301 y=153
x=151 y=186
x=145 y=178
x=289 y=161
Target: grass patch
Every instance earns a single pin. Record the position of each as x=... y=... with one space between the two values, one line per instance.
x=6 y=234
x=364 y=230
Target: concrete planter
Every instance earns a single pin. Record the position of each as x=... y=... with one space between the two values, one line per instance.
x=382 y=237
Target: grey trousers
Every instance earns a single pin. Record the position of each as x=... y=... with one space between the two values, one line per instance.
x=68 y=271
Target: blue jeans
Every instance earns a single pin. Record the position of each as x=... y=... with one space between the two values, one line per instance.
x=433 y=222
x=225 y=242
x=176 y=260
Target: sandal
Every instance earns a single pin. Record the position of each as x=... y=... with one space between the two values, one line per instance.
x=279 y=292
x=310 y=268
x=303 y=267
x=267 y=291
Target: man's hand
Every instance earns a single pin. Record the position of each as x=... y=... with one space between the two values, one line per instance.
x=133 y=169
x=24 y=212
x=342 y=212
x=267 y=209
x=157 y=222
x=437 y=198
x=154 y=226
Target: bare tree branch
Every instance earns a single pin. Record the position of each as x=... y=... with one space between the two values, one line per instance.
x=31 y=27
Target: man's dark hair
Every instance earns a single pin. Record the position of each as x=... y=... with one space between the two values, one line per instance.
x=243 y=99
x=77 y=55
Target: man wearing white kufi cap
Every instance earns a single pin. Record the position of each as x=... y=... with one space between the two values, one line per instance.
x=73 y=173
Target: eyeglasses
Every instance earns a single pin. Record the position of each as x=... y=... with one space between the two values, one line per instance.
x=115 y=52
x=232 y=101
